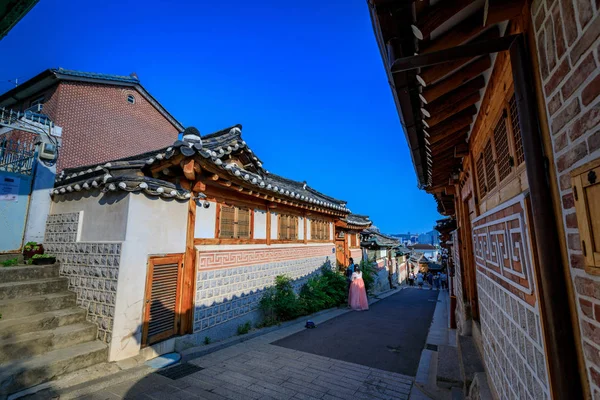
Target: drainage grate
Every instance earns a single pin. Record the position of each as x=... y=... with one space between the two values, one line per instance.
x=433 y=347
x=180 y=371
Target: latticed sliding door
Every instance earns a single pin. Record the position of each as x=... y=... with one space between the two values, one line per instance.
x=162 y=310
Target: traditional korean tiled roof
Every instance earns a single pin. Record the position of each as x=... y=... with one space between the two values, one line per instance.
x=356 y=219
x=371 y=237
x=128 y=173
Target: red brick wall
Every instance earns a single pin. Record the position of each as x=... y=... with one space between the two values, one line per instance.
x=568 y=39
x=100 y=125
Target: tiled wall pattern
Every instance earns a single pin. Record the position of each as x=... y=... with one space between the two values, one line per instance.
x=567 y=35
x=508 y=304
x=92 y=269
x=227 y=293
x=512 y=343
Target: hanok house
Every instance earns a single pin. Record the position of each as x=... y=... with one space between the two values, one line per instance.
x=347 y=239
x=184 y=239
x=380 y=249
x=499 y=103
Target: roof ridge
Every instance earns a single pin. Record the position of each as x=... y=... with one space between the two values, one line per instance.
x=223 y=131
x=98 y=75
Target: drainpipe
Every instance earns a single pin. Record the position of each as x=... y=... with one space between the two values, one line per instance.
x=562 y=362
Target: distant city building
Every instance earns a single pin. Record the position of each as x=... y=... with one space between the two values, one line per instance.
x=408 y=239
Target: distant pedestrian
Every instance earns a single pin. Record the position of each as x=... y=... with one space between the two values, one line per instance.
x=349 y=272
x=436 y=282
x=411 y=279
x=357 y=299
x=430 y=280
x=444 y=281
x=420 y=280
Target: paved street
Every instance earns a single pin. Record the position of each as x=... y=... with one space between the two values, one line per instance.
x=258 y=369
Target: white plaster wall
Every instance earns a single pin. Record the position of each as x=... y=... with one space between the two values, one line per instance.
x=301 y=228
x=274 y=225
x=331 y=231
x=39 y=202
x=308 y=229
x=206 y=220
x=104 y=215
x=154 y=227
x=260 y=224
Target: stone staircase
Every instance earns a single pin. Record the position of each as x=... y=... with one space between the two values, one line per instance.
x=43 y=333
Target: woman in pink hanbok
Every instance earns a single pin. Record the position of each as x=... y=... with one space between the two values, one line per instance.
x=357 y=298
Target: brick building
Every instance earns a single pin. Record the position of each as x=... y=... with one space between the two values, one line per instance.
x=103 y=116
x=500 y=107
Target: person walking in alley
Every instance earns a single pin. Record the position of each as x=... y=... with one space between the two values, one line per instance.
x=444 y=280
x=357 y=298
x=411 y=279
x=436 y=281
x=420 y=280
x=430 y=280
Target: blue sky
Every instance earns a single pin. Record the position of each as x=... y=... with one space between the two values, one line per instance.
x=305 y=79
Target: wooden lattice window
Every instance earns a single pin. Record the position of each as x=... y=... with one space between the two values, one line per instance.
x=488 y=160
x=234 y=222
x=288 y=227
x=481 y=177
x=503 y=158
x=319 y=230
x=586 y=193
x=516 y=129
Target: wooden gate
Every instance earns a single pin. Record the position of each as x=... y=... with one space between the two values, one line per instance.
x=162 y=312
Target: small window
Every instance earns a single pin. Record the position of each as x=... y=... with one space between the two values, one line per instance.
x=502 y=151
x=288 y=227
x=481 y=177
x=37 y=101
x=516 y=128
x=586 y=192
x=319 y=230
x=131 y=99
x=490 y=171
x=234 y=223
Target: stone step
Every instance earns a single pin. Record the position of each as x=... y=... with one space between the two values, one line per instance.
x=37 y=287
x=12 y=327
x=33 y=371
x=28 y=272
x=17 y=308
x=35 y=343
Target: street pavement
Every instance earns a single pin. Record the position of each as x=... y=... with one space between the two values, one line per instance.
x=392 y=332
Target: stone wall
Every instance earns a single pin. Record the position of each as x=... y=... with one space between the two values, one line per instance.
x=568 y=38
x=92 y=269
x=356 y=254
x=230 y=283
x=508 y=302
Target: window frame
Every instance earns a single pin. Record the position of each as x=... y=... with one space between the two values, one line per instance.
x=131 y=96
x=504 y=113
x=322 y=229
x=288 y=237
x=236 y=236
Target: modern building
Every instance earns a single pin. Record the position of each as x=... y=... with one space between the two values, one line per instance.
x=499 y=104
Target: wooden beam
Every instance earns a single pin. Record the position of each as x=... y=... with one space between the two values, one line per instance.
x=458 y=130
x=199 y=187
x=495 y=11
x=436 y=15
x=453 y=110
x=459 y=34
x=455 y=140
x=461 y=150
x=455 y=80
x=458 y=120
x=430 y=75
x=189 y=272
x=188 y=169
x=437 y=106
x=158 y=166
x=474 y=49
x=215 y=177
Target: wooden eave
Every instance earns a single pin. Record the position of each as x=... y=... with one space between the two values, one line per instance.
x=438 y=72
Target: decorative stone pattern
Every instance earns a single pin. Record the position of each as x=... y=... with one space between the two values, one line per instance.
x=568 y=40
x=510 y=320
x=227 y=293
x=92 y=269
x=512 y=343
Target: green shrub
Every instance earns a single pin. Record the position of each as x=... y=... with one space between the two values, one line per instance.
x=245 y=328
x=280 y=303
x=10 y=262
x=207 y=340
x=368 y=273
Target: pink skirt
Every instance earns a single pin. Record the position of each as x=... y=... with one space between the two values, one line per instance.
x=357 y=298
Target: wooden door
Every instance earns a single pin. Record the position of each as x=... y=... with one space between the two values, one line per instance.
x=340 y=249
x=162 y=309
x=469 y=256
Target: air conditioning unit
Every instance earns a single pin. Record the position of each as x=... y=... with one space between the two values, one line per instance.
x=47 y=151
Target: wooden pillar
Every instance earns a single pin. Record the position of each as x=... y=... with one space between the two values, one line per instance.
x=559 y=339
x=268 y=226
x=189 y=268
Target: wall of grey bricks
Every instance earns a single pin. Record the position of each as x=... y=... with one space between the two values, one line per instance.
x=512 y=343
x=229 y=293
x=92 y=269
